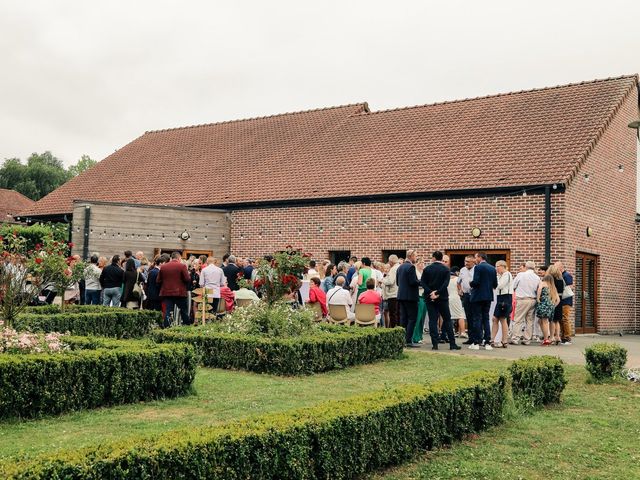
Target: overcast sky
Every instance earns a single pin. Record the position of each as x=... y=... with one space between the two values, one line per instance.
x=84 y=77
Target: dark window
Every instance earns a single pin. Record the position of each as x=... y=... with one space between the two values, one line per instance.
x=387 y=253
x=457 y=256
x=337 y=256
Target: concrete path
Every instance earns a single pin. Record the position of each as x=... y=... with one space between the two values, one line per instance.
x=570 y=354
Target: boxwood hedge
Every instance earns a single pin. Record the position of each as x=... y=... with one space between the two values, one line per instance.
x=94 y=373
x=333 y=440
x=537 y=380
x=605 y=361
x=331 y=348
x=90 y=320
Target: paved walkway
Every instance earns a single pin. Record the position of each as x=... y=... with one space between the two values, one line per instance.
x=570 y=354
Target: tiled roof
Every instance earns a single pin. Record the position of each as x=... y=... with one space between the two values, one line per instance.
x=12 y=203
x=524 y=138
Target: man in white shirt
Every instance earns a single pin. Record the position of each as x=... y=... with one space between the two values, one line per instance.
x=525 y=286
x=339 y=296
x=213 y=278
x=464 y=280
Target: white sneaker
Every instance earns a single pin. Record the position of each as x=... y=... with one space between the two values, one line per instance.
x=464 y=335
x=488 y=347
x=473 y=346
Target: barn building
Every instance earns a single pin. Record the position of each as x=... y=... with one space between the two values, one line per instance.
x=546 y=174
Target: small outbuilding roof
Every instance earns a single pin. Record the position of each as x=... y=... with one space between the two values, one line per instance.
x=532 y=137
x=12 y=203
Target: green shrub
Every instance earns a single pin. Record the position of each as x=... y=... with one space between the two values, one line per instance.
x=330 y=348
x=538 y=381
x=605 y=360
x=90 y=320
x=333 y=440
x=36 y=233
x=260 y=318
x=94 y=373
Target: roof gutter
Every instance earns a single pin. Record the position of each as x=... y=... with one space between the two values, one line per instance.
x=390 y=197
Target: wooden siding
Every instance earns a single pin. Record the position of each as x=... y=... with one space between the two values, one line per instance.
x=116 y=227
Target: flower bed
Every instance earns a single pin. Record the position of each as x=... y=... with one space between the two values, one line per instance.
x=93 y=373
x=326 y=348
x=89 y=320
x=337 y=440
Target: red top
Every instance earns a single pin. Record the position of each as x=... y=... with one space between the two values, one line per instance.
x=373 y=297
x=173 y=278
x=317 y=295
x=226 y=295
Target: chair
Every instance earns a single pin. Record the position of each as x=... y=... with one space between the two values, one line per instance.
x=338 y=315
x=222 y=307
x=243 y=302
x=366 y=315
x=317 y=310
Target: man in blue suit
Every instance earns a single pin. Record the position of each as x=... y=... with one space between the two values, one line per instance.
x=408 y=295
x=485 y=280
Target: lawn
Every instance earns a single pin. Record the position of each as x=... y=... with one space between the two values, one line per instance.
x=593 y=434
x=223 y=395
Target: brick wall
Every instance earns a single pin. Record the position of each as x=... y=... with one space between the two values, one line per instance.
x=637 y=322
x=607 y=204
x=512 y=222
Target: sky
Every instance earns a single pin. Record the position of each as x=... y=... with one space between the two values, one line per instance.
x=84 y=77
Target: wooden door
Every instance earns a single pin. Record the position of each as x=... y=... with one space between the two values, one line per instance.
x=586 y=293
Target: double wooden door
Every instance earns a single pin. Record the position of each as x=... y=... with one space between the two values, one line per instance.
x=585 y=300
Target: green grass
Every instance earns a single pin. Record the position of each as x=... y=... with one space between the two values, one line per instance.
x=223 y=395
x=593 y=434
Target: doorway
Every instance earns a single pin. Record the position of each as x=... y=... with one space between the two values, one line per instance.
x=337 y=256
x=457 y=256
x=586 y=293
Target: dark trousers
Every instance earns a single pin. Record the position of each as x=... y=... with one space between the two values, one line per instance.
x=170 y=303
x=480 y=315
x=468 y=311
x=440 y=308
x=92 y=297
x=408 y=316
x=154 y=304
x=392 y=306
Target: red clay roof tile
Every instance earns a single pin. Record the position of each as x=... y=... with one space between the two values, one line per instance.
x=12 y=203
x=523 y=138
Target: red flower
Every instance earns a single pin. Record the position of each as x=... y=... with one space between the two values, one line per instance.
x=306 y=255
x=38 y=246
x=38 y=260
x=1 y=238
x=55 y=244
x=258 y=283
x=71 y=244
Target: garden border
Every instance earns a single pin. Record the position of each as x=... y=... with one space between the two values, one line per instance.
x=89 y=320
x=94 y=373
x=332 y=348
x=336 y=439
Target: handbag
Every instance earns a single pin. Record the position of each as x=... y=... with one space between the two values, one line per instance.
x=137 y=291
x=567 y=292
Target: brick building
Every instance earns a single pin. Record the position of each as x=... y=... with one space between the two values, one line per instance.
x=539 y=175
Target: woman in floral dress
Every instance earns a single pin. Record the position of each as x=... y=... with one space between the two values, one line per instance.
x=548 y=298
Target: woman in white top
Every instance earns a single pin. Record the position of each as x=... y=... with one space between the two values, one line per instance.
x=455 y=303
x=504 y=303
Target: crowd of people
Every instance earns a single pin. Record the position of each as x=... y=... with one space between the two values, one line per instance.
x=482 y=304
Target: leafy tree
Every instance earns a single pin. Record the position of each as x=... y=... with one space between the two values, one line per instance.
x=42 y=174
x=85 y=163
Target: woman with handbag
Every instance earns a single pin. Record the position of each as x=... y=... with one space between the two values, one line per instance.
x=132 y=292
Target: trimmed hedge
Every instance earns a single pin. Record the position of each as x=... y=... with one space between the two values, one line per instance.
x=94 y=373
x=333 y=440
x=331 y=348
x=605 y=360
x=538 y=381
x=90 y=320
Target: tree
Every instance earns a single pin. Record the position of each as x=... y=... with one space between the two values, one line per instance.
x=42 y=174
x=85 y=163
